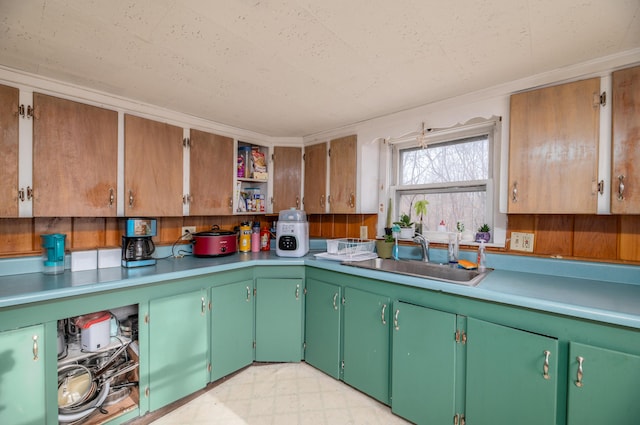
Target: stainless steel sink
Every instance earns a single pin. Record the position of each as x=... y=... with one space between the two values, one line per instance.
x=441 y=272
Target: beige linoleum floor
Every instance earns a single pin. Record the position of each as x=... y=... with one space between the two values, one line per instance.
x=281 y=394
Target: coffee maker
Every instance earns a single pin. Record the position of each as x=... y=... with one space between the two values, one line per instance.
x=137 y=245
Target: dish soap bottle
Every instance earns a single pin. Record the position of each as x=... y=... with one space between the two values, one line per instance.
x=482 y=260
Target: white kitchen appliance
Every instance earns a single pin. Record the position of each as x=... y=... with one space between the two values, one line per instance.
x=292 y=233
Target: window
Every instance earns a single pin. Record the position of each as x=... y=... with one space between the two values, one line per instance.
x=454 y=172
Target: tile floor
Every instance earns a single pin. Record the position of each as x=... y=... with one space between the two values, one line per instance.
x=281 y=394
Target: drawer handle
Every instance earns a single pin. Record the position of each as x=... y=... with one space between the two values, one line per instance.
x=384 y=310
x=545 y=368
x=335 y=298
x=248 y=293
x=580 y=371
x=298 y=291
x=35 y=347
x=621 y=187
x=395 y=320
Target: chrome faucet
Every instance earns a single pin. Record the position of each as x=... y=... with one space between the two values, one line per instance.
x=424 y=244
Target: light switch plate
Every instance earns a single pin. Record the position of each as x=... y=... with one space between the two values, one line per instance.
x=364 y=232
x=522 y=241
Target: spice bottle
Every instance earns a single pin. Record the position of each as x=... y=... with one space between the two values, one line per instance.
x=265 y=239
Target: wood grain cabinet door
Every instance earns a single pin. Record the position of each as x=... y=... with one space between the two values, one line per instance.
x=9 y=98
x=625 y=178
x=211 y=175
x=287 y=178
x=75 y=159
x=553 y=150
x=342 y=175
x=152 y=168
x=315 y=178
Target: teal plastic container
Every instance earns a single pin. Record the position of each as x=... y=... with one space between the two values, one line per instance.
x=53 y=252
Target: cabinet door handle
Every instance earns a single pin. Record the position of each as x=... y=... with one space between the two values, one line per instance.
x=352 y=200
x=297 y=202
x=248 y=293
x=35 y=347
x=384 y=316
x=335 y=297
x=395 y=320
x=545 y=367
x=514 y=192
x=130 y=199
x=21 y=194
x=579 y=378
x=112 y=197
x=298 y=291
x=621 y=187
x=204 y=306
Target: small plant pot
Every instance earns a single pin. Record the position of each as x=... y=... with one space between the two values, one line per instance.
x=406 y=232
x=384 y=248
x=483 y=236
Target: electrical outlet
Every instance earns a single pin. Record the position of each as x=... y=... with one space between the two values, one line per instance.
x=189 y=230
x=364 y=232
x=522 y=241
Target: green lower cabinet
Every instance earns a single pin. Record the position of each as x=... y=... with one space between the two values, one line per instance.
x=604 y=386
x=511 y=376
x=366 y=342
x=178 y=347
x=232 y=319
x=423 y=364
x=322 y=326
x=279 y=319
x=22 y=377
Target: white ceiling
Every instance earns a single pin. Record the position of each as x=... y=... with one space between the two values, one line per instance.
x=298 y=67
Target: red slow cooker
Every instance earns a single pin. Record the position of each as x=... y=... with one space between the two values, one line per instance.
x=214 y=243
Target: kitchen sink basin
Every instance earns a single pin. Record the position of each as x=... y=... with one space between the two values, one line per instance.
x=441 y=272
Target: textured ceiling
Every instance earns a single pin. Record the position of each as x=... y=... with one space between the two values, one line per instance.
x=297 y=67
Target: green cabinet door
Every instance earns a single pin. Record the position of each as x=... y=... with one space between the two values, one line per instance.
x=423 y=364
x=366 y=342
x=279 y=318
x=178 y=341
x=512 y=376
x=606 y=389
x=22 y=357
x=232 y=311
x=322 y=326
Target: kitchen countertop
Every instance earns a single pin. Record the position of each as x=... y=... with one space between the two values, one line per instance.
x=605 y=293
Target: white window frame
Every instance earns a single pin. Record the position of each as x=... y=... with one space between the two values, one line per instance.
x=476 y=127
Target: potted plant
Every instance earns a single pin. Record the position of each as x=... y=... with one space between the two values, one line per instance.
x=420 y=207
x=384 y=247
x=406 y=226
x=484 y=233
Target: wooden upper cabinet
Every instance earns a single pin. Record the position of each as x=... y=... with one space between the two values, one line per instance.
x=9 y=99
x=625 y=178
x=315 y=178
x=212 y=162
x=152 y=168
x=287 y=178
x=553 y=150
x=342 y=175
x=75 y=159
